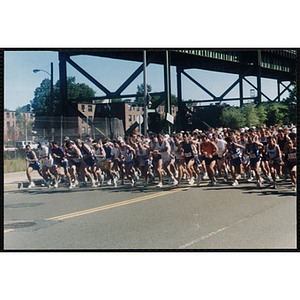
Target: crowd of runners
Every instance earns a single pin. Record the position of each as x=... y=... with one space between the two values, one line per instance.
x=256 y=154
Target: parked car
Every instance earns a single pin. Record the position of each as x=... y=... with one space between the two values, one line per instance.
x=22 y=144
x=9 y=148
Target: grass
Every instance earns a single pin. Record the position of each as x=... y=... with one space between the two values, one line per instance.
x=14 y=165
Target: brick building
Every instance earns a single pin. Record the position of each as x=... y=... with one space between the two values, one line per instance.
x=10 y=129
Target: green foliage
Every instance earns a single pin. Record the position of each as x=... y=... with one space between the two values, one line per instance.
x=276 y=113
x=232 y=117
x=41 y=103
x=22 y=122
x=253 y=116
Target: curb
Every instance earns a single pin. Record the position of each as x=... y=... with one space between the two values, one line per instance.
x=20 y=185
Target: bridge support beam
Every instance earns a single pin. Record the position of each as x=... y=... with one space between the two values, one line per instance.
x=241 y=90
x=180 y=113
x=167 y=80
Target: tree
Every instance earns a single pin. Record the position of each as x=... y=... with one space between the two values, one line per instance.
x=232 y=117
x=41 y=103
x=253 y=116
x=21 y=121
x=291 y=103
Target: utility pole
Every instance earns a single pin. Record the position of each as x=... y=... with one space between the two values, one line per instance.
x=145 y=97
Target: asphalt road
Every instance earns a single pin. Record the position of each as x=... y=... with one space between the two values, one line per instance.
x=125 y=218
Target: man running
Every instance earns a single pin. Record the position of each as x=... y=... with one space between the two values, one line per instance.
x=33 y=165
x=234 y=151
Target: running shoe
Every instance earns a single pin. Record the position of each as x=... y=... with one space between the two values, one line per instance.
x=71 y=186
x=109 y=182
x=258 y=184
x=177 y=185
x=238 y=176
x=198 y=181
x=56 y=184
x=275 y=185
x=115 y=181
x=235 y=183
x=176 y=174
x=145 y=184
x=210 y=183
x=76 y=183
x=31 y=185
x=132 y=183
x=44 y=183
x=160 y=185
x=175 y=182
x=83 y=184
x=94 y=184
x=170 y=180
x=192 y=181
x=205 y=176
x=101 y=179
x=295 y=188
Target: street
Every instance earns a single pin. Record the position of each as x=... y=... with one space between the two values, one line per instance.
x=125 y=218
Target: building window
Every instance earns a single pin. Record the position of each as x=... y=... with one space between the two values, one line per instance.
x=130 y=118
x=7 y=124
x=90 y=119
x=90 y=108
x=31 y=116
x=158 y=109
x=173 y=110
x=129 y=107
x=83 y=130
x=133 y=117
x=138 y=108
x=12 y=115
x=83 y=107
x=89 y=130
x=12 y=124
x=7 y=115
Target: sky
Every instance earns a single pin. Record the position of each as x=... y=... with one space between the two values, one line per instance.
x=20 y=81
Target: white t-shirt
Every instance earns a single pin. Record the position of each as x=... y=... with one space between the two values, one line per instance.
x=43 y=152
x=221 y=144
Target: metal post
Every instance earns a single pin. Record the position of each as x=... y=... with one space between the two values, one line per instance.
x=180 y=114
x=241 y=90
x=63 y=87
x=145 y=96
x=278 y=89
x=259 y=77
x=167 y=90
x=51 y=95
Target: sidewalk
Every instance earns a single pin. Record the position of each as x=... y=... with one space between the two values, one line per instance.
x=17 y=180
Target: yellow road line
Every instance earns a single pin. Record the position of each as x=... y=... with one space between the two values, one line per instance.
x=109 y=206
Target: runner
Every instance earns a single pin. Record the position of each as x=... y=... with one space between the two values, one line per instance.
x=101 y=164
x=252 y=149
x=33 y=165
x=88 y=161
x=126 y=156
x=76 y=160
x=46 y=161
x=235 y=154
x=142 y=155
x=274 y=158
x=60 y=160
x=221 y=154
x=189 y=155
x=291 y=154
x=209 y=150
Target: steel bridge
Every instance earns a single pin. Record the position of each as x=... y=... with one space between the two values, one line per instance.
x=261 y=63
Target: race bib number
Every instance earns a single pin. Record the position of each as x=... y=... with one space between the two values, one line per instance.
x=292 y=156
x=189 y=154
x=234 y=156
x=252 y=156
x=271 y=161
x=220 y=155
